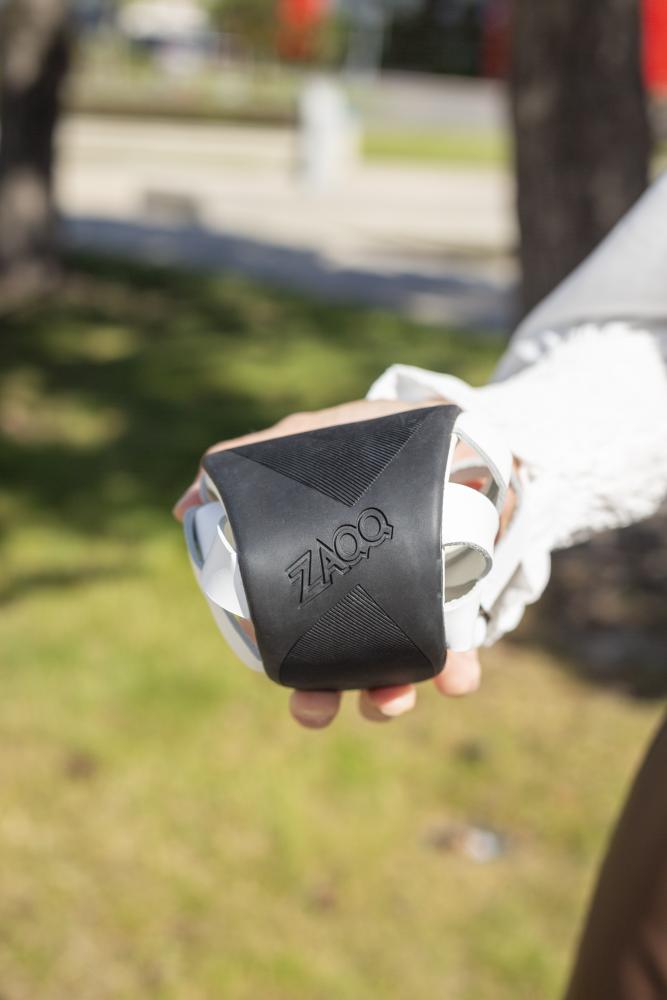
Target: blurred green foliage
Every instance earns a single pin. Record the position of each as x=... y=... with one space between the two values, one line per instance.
x=253 y=22
x=165 y=830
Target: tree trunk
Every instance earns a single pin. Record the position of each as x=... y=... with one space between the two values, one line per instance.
x=34 y=50
x=582 y=138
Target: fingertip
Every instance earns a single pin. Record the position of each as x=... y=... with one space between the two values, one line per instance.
x=314 y=709
x=382 y=704
x=394 y=701
x=369 y=710
x=461 y=675
x=189 y=499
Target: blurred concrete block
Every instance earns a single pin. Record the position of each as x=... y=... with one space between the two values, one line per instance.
x=328 y=138
x=170 y=208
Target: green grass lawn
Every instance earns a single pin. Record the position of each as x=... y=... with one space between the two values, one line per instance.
x=165 y=830
x=446 y=146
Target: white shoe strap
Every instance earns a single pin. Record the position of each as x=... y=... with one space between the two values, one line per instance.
x=486 y=442
x=470 y=525
x=215 y=558
x=469 y=528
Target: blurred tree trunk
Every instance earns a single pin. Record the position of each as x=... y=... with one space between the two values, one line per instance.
x=582 y=138
x=34 y=54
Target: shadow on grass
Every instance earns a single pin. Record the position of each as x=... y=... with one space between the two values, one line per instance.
x=61 y=579
x=407 y=285
x=604 y=609
x=112 y=387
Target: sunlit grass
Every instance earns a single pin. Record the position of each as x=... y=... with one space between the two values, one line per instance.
x=165 y=830
x=433 y=146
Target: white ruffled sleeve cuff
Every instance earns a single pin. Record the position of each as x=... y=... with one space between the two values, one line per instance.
x=588 y=421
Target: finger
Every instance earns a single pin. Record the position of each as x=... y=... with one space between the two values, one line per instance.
x=461 y=675
x=190 y=498
x=314 y=709
x=393 y=701
x=509 y=507
x=383 y=704
x=369 y=709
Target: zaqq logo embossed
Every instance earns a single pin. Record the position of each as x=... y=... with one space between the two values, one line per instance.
x=314 y=570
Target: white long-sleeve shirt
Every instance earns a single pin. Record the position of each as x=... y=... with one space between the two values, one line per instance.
x=581 y=398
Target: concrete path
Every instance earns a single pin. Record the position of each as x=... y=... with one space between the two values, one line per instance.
x=433 y=243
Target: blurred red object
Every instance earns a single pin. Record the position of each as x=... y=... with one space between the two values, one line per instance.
x=496 y=39
x=655 y=45
x=299 y=23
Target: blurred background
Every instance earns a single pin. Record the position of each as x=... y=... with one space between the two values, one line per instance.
x=211 y=214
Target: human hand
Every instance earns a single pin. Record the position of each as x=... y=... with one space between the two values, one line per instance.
x=317 y=709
